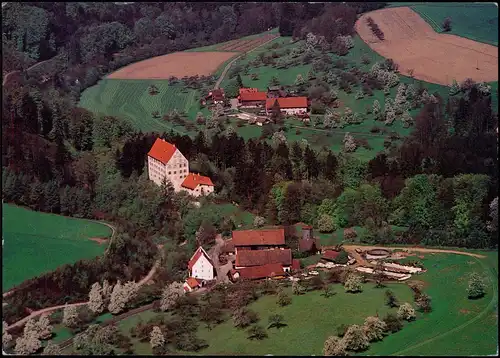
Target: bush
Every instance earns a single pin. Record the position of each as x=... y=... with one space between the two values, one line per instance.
x=406 y=312
x=390 y=299
x=243 y=317
x=342 y=258
x=256 y=332
x=393 y=323
x=353 y=283
x=477 y=288
x=284 y=299
x=375 y=329
x=356 y=339
x=325 y=223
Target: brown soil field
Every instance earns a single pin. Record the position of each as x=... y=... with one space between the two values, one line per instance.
x=178 y=64
x=437 y=58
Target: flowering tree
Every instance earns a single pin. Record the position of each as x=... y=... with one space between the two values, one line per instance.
x=52 y=350
x=278 y=138
x=96 y=302
x=406 y=312
x=170 y=295
x=353 y=283
x=43 y=327
x=121 y=295
x=299 y=80
x=349 y=143
x=374 y=328
x=390 y=117
x=376 y=107
x=476 y=288
x=28 y=343
x=355 y=338
x=335 y=346
x=259 y=221
x=156 y=338
x=297 y=288
x=70 y=316
x=493 y=224
x=106 y=291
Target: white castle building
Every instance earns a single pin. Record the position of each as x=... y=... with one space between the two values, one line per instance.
x=165 y=161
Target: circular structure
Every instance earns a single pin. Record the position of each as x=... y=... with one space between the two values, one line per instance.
x=379 y=252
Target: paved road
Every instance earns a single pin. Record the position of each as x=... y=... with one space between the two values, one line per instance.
x=228 y=66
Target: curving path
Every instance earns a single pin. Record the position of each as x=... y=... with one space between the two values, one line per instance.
x=55 y=308
x=418 y=249
x=228 y=66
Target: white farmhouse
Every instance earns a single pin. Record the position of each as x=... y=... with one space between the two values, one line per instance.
x=165 y=161
x=201 y=266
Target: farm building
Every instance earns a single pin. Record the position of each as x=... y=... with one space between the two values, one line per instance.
x=165 y=161
x=218 y=95
x=261 y=254
x=252 y=99
x=330 y=255
x=200 y=265
x=191 y=284
x=289 y=105
x=258 y=239
x=309 y=243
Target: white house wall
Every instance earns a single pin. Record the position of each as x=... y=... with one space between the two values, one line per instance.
x=176 y=170
x=203 y=269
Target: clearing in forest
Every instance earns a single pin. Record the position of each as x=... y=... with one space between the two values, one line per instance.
x=178 y=64
x=433 y=57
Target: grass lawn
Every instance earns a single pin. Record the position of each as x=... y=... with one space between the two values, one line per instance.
x=36 y=243
x=476 y=21
x=242 y=219
x=311 y=318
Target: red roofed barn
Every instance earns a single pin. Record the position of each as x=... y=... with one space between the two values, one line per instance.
x=258 y=239
x=252 y=99
x=165 y=161
x=289 y=105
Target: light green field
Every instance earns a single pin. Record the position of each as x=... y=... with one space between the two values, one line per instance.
x=476 y=21
x=36 y=243
x=130 y=100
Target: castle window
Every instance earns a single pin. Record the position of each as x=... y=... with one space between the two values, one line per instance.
x=169 y=172
x=175 y=172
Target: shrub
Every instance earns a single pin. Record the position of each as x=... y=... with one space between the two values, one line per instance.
x=334 y=346
x=423 y=302
x=355 y=338
x=393 y=323
x=342 y=258
x=406 y=312
x=477 y=288
x=390 y=299
x=283 y=298
x=326 y=223
x=256 y=332
x=375 y=329
x=353 y=283
x=243 y=317
x=276 y=320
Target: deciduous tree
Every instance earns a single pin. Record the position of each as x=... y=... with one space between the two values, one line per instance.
x=170 y=295
x=353 y=283
x=156 y=338
x=356 y=339
x=96 y=303
x=52 y=349
x=335 y=346
x=70 y=316
x=477 y=287
x=375 y=328
x=406 y=312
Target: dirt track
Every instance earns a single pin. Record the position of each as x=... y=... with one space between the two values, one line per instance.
x=177 y=64
x=411 y=249
x=437 y=58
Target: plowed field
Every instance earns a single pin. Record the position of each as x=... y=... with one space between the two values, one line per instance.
x=437 y=58
x=177 y=64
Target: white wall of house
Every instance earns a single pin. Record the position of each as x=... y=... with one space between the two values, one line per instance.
x=203 y=269
x=200 y=190
x=176 y=170
x=294 y=110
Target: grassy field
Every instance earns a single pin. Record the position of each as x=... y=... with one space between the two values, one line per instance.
x=130 y=99
x=36 y=243
x=456 y=326
x=242 y=219
x=476 y=21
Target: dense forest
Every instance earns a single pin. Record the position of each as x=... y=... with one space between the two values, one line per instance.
x=441 y=182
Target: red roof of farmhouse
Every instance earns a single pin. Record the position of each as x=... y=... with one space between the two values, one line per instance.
x=253 y=96
x=263 y=271
x=218 y=94
x=192 y=282
x=162 y=150
x=295 y=264
x=197 y=255
x=263 y=257
x=287 y=102
x=330 y=255
x=193 y=180
x=259 y=237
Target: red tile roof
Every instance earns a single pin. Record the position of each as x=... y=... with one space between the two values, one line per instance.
x=228 y=246
x=253 y=96
x=307 y=245
x=162 y=150
x=193 y=180
x=288 y=102
x=330 y=255
x=295 y=264
x=192 y=282
x=247 y=258
x=218 y=94
x=263 y=271
x=197 y=255
x=259 y=237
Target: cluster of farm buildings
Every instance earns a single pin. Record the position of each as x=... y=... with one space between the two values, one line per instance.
x=252 y=98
